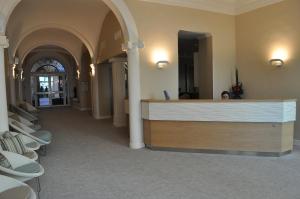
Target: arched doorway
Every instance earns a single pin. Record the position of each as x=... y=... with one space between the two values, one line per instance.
x=49 y=83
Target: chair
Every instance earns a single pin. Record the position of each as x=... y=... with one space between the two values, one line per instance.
x=24 y=114
x=29 y=108
x=19 y=167
x=23 y=120
x=14 y=189
x=29 y=142
x=42 y=136
x=14 y=143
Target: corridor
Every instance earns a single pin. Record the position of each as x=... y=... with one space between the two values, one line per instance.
x=89 y=159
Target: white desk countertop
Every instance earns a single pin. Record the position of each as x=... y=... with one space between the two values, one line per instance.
x=276 y=111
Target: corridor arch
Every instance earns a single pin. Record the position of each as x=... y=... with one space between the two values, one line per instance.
x=129 y=28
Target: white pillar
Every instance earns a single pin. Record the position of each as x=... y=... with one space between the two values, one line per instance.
x=105 y=90
x=95 y=93
x=135 y=118
x=118 y=81
x=20 y=86
x=83 y=89
x=3 y=99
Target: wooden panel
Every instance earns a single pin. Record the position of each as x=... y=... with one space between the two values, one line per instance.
x=256 y=137
x=147 y=132
x=287 y=136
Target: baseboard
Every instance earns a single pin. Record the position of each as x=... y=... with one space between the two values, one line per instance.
x=103 y=117
x=296 y=142
x=83 y=108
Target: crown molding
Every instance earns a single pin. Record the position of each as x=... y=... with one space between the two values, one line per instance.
x=230 y=7
x=247 y=6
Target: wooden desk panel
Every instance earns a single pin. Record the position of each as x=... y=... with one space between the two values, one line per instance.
x=247 y=137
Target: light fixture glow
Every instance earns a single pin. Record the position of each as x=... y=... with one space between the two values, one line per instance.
x=92 y=70
x=160 y=55
x=280 y=53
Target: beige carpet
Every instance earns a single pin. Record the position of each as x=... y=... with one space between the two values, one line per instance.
x=89 y=159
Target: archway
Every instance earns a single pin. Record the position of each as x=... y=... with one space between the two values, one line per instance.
x=31 y=30
x=129 y=28
x=49 y=83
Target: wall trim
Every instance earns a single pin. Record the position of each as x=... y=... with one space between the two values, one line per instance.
x=229 y=7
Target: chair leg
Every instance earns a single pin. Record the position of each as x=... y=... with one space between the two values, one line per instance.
x=43 y=150
x=38 y=188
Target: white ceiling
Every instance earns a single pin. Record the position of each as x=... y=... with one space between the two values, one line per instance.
x=232 y=7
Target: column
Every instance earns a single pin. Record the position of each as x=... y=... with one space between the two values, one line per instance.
x=118 y=81
x=3 y=99
x=95 y=92
x=135 y=118
x=105 y=90
x=20 y=84
x=83 y=89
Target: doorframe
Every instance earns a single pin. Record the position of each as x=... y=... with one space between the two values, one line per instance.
x=66 y=91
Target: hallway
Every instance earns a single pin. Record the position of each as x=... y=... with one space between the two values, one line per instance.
x=89 y=159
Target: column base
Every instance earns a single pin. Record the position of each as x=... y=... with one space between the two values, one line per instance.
x=136 y=145
x=120 y=124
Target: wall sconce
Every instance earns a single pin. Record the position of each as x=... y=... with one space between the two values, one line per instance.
x=162 y=64
x=92 y=70
x=277 y=62
x=78 y=74
x=21 y=75
x=279 y=56
x=14 y=71
x=160 y=57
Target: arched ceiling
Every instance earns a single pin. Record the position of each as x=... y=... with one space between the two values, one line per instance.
x=81 y=18
x=53 y=52
x=54 y=37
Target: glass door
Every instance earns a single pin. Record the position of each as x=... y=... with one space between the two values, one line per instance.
x=50 y=90
x=57 y=88
x=43 y=93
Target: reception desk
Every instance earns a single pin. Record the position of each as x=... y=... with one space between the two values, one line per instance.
x=263 y=127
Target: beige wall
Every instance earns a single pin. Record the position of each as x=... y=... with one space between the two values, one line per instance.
x=111 y=38
x=259 y=34
x=158 y=27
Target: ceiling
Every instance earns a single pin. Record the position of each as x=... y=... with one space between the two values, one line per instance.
x=231 y=7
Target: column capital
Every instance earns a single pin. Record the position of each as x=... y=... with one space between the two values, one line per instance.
x=132 y=45
x=118 y=60
x=4 y=43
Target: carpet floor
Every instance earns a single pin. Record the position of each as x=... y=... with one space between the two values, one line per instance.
x=89 y=159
